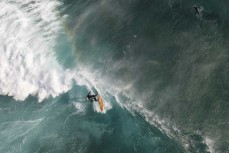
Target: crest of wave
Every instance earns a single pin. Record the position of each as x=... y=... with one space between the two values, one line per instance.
x=27 y=38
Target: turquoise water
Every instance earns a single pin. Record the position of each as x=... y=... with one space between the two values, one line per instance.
x=64 y=125
x=161 y=69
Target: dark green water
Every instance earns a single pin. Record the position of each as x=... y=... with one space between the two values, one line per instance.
x=174 y=62
x=161 y=69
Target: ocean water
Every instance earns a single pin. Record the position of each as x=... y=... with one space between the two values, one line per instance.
x=161 y=68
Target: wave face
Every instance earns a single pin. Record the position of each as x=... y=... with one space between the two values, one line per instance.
x=161 y=68
x=163 y=60
x=37 y=65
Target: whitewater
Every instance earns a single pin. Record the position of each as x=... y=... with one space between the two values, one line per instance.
x=52 y=53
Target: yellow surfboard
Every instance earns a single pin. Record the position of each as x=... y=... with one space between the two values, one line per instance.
x=100 y=101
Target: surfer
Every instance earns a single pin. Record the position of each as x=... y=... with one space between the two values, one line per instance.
x=198 y=10
x=91 y=97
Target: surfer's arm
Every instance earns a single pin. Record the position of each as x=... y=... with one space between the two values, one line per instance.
x=88 y=94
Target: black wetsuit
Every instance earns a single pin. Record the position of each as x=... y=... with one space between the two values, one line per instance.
x=197 y=9
x=91 y=97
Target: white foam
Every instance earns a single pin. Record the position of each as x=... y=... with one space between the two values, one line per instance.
x=28 y=66
x=90 y=80
x=28 y=31
x=125 y=97
x=80 y=107
x=210 y=143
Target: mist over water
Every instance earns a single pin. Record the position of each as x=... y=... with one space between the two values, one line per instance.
x=171 y=62
x=161 y=68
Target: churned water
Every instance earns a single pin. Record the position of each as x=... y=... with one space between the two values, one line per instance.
x=161 y=67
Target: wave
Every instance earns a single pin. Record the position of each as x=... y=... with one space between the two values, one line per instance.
x=28 y=65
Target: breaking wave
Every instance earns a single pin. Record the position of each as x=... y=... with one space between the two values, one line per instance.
x=28 y=65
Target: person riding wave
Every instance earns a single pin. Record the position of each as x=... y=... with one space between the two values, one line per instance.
x=91 y=97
